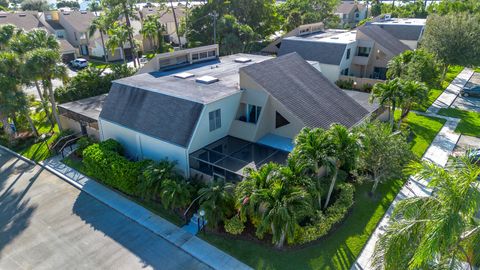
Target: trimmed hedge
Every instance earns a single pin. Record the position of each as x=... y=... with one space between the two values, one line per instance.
x=333 y=215
x=105 y=162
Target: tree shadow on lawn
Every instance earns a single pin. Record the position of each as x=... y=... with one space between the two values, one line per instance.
x=338 y=250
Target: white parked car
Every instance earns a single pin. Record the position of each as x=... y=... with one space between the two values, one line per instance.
x=79 y=63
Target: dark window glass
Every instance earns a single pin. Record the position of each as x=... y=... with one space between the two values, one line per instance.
x=280 y=121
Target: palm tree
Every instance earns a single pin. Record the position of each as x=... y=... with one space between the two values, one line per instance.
x=279 y=207
x=117 y=36
x=346 y=147
x=12 y=99
x=100 y=24
x=151 y=179
x=46 y=65
x=414 y=93
x=254 y=180
x=437 y=232
x=150 y=30
x=388 y=94
x=175 y=193
x=217 y=201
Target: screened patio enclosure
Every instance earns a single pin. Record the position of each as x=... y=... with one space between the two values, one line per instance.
x=228 y=157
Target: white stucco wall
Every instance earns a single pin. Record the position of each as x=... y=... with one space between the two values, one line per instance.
x=332 y=72
x=412 y=44
x=202 y=135
x=141 y=146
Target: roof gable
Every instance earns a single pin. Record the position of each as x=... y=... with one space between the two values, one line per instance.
x=312 y=50
x=305 y=92
x=154 y=114
x=24 y=20
x=383 y=38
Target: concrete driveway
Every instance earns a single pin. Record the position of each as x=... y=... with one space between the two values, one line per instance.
x=46 y=223
x=469 y=103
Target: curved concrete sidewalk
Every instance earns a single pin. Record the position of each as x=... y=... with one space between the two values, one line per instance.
x=438 y=152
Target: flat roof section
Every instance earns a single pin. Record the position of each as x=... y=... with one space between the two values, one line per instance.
x=88 y=108
x=225 y=69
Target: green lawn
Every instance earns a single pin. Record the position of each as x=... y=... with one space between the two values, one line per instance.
x=469 y=123
x=38 y=151
x=340 y=248
x=452 y=72
x=101 y=65
x=424 y=130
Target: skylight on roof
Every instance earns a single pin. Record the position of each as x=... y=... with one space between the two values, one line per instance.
x=243 y=60
x=207 y=79
x=183 y=75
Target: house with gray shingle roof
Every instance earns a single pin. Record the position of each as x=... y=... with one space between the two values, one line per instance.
x=217 y=116
x=350 y=12
x=360 y=53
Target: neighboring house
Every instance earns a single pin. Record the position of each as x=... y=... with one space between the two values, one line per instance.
x=302 y=30
x=216 y=117
x=30 y=20
x=167 y=19
x=351 y=13
x=76 y=25
x=361 y=53
x=333 y=50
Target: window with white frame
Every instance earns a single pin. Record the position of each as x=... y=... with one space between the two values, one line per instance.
x=215 y=120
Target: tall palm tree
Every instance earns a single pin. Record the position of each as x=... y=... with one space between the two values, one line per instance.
x=46 y=64
x=100 y=24
x=117 y=37
x=346 y=147
x=217 y=201
x=437 y=232
x=388 y=94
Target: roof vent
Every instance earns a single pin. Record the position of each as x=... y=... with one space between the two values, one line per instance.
x=3 y=15
x=183 y=75
x=207 y=79
x=243 y=60
x=83 y=11
x=334 y=37
x=22 y=14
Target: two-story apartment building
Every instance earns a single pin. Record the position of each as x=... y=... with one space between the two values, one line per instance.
x=216 y=116
x=76 y=25
x=363 y=52
x=167 y=19
x=31 y=20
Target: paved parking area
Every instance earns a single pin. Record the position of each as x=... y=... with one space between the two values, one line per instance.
x=465 y=143
x=469 y=103
x=46 y=223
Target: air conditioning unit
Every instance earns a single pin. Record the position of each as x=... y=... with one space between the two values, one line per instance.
x=387 y=17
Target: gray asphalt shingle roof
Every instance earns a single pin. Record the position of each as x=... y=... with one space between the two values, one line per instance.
x=314 y=50
x=305 y=92
x=158 y=115
x=403 y=32
x=383 y=38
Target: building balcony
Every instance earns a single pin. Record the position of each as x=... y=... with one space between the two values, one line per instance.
x=360 y=60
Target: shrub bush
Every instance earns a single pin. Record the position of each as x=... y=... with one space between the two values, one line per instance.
x=345 y=84
x=324 y=222
x=234 y=225
x=104 y=162
x=83 y=143
x=367 y=87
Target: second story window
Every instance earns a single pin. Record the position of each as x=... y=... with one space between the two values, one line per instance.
x=215 y=120
x=348 y=53
x=363 y=51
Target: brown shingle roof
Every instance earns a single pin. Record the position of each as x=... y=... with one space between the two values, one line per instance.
x=24 y=20
x=79 y=20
